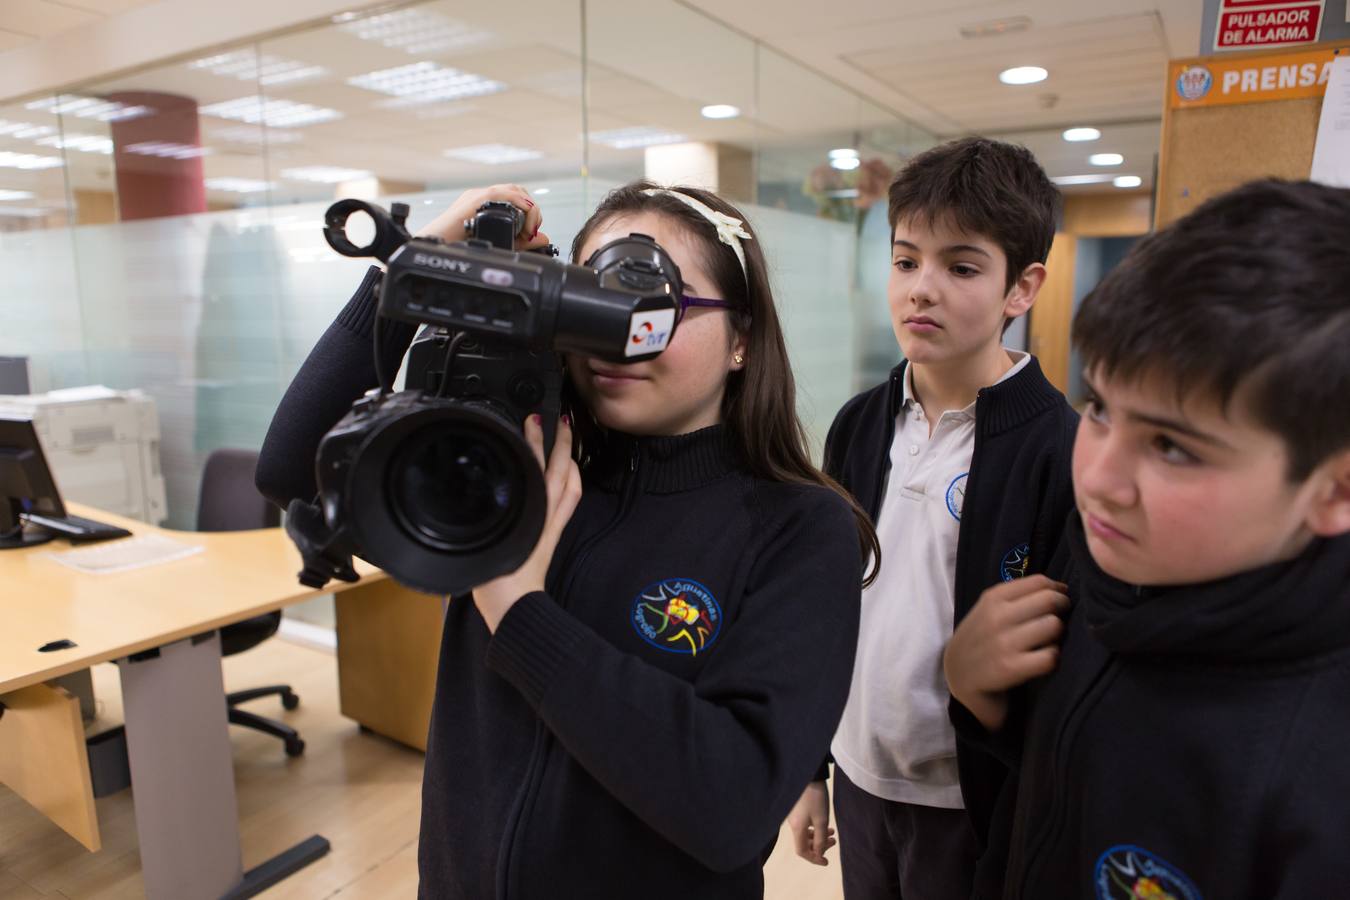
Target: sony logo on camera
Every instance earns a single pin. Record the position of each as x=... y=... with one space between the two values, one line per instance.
x=441 y=262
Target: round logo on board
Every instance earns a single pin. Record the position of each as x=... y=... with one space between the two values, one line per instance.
x=1126 y=872
x=1194 y=82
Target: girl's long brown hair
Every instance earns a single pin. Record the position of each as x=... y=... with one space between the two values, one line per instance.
x=759 y=406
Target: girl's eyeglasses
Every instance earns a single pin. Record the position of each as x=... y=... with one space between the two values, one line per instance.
x=687 y=301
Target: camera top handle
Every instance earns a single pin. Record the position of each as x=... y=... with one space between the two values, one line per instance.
x=391 y=231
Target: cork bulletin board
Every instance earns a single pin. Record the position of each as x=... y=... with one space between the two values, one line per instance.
x=1235 y=118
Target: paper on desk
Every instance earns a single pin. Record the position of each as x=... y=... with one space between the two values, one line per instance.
x=125 y=554
x=1331 y=153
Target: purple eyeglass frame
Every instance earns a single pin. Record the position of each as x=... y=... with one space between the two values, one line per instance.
x=688 y=300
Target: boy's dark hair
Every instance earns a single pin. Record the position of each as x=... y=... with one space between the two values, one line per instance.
x=1250 y=291
x=990 y=188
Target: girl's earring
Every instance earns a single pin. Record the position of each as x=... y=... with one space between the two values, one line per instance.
x=738 y=359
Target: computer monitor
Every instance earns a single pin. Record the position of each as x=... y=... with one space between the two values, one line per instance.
x=26 y=484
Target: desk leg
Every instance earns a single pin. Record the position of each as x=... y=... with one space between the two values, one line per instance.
x=182 y=778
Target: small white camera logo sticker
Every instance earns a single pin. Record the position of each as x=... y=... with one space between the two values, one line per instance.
x=649 y=332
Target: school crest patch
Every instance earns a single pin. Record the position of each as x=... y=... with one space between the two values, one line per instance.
x=956 y=495
x=1015 y=562
x=677 y=615
x=1126 y=872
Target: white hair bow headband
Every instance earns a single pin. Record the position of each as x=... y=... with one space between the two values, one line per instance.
x=730 y=231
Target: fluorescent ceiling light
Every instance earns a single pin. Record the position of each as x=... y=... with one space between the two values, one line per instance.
x=1127 y=181
x=1023 y=75
x=239 y=185
x=493 y=154
x=272 y=113
x=262 y=68
x=539 y=192
x=1105 y=159
x=24 y=130
x=89 y=108
x=28 y=161
x=325 y=174
x=15 y=195
x=85 y=143
x=641 y=136
x=167 y=150
x=417 y=31
x=1082 y=179
x=720 y=111
x=426 y=82
x=1081 y=134
x=843 y=153
x=254 y=134
x=996 y=28
x=846 y=162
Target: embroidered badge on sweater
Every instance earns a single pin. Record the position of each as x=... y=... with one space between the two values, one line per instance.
x=1015 y=562
x=1126 y=872
x=677 y=615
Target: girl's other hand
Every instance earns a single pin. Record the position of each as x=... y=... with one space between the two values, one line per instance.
x=449 y=225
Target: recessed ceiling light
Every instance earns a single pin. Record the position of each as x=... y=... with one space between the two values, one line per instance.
x=254 y=134
x=239 y=185
x=631 y=138
x=1082 y=179
x=1023 y=75
x=1105 y=159
x=843 y=153
x=720 y=111
x=418 y=31
x=16 y=195
x=89 y=108
x=426 y=82
x=1127 y=181
x=539 y=192
x=24 y=130
x=845 y=162
x=28 y=161
x=1081 y=134
x=85 y=143
x=493 y=154
x=262 y=68
x=168 y=150
x=272 y=113
x=999 y=26
x=325 y=174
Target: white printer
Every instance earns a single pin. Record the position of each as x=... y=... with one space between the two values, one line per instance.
x=102 y=447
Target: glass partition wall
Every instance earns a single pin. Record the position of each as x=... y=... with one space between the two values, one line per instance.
x=162 y=230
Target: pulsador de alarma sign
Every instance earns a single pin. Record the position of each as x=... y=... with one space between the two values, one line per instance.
x=1274 y=23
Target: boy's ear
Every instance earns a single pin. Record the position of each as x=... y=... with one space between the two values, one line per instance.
x=1023 y=292
x=1329 y=514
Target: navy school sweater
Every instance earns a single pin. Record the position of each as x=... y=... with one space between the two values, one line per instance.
x=1192 y=743
x=643 y=726
x=1018 y=494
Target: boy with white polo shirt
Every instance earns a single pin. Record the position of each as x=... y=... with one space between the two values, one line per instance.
x=962 y=458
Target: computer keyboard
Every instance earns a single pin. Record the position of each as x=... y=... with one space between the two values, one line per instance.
x=77 y=528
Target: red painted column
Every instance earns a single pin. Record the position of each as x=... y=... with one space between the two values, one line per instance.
x=164 y=183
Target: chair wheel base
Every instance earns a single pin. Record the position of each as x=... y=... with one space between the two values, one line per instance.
x=295 y=747
x=290 y=700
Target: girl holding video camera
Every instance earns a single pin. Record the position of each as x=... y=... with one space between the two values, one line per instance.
x=634 y=711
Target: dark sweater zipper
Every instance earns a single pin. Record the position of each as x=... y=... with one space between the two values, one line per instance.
x=1054 y=824
x=534 y=769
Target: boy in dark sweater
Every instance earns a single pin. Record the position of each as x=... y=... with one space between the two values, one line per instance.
x=962 y=459
x=1193 y=741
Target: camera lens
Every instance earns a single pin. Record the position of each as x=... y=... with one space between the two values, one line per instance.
x=455 y=488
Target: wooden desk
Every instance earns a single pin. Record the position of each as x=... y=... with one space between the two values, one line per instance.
x=159 y=625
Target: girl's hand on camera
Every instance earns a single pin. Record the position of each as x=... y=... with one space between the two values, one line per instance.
x=449 y=225
x=563 y=480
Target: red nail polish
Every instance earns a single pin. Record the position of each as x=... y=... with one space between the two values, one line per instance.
x=531 y=202
x=538 y=419
x=567 y=420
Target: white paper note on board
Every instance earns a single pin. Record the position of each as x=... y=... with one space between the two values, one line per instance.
x=1331 y=153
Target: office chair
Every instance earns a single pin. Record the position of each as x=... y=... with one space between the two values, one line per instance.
x=231 y=502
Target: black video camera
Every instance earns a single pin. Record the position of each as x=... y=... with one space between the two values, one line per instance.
x=435 y=484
